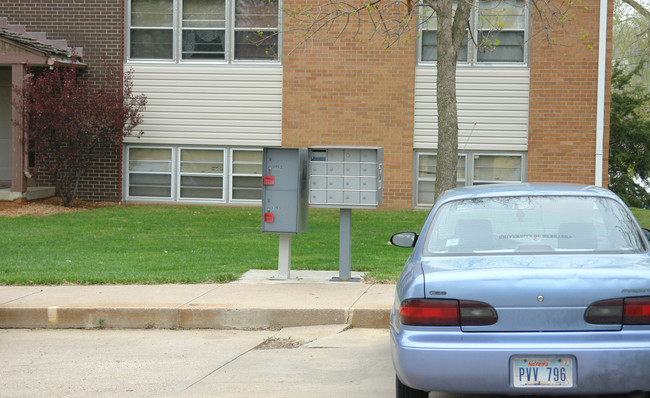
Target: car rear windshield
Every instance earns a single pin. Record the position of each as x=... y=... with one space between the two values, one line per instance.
x=533 y=224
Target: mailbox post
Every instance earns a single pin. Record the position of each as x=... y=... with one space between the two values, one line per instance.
x=285 y=198
x=346 y=178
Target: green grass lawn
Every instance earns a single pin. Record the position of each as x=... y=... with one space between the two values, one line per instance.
x=192 y=244
x=642 y=216
x=187 y=244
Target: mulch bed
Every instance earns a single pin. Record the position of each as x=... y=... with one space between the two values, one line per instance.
x=49 y=206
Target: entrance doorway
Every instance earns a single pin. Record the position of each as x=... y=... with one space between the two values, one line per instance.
x=5 y=127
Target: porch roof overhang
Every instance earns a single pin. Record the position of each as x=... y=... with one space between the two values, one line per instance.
x=17 y=48
x=21 y=50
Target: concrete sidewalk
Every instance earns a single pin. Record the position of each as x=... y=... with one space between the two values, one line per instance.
x=256 y=301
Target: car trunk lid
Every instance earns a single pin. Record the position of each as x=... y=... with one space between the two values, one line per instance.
x=538 y=293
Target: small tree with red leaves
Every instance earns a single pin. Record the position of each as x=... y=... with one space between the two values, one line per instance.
x=70 y=122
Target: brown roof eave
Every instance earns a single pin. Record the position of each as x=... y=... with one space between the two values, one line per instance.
x=57 y=62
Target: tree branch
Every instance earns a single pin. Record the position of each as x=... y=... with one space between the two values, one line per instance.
x=639 y=8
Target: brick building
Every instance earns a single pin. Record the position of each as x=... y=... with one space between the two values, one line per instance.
x=527 y=111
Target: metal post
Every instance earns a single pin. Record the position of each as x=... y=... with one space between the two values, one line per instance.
x=284 y=257
x=345 y=247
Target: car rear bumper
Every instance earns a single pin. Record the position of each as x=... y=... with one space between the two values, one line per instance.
x=437 y=359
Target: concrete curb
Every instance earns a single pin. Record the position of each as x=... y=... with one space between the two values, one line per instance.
x=187 y=318
x=254 y=302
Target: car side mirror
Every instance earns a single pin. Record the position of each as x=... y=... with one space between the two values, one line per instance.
x=646 y=233
x=404 y=239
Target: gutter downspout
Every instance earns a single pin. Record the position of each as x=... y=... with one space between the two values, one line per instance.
x=600 y=103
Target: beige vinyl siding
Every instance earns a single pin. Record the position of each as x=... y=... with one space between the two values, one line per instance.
x=496 y=99
x=210 y=104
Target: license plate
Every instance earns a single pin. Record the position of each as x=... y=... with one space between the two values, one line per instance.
x=542 y=372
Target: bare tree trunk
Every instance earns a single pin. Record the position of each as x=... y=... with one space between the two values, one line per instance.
x=447 y=158
x=451 y=30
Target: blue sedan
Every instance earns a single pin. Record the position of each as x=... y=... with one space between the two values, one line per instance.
x=524 y=289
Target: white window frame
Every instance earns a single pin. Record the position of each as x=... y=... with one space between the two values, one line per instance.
x=128 y=29
x=181 y=29
x=224 y=180
x=232 y=175
x=421 y=30
x=176 y=175
x=418 y=179
x=172 y=172
x=234 y=29
x=177 y=38
x=469 y=171
x=472 y=52
x=474 y=181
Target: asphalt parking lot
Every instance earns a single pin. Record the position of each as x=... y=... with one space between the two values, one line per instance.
x=314 y=361
x=320 y=361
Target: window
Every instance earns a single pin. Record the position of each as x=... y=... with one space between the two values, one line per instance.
x=201 y=173
x=498 y=32
x=246 y=174
x=256 y=24
x=472 y=169
x=193 y=174
x=490 y=169
x=426 y=178
x=523 y=225
x=150 y=172
x=203 y=30
x=152 y=29
x=430 y=39
x=501 y=31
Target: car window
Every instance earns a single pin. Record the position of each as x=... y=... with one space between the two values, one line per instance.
x=539 y=224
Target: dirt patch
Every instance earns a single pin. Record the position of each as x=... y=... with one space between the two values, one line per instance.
x=49 y=206
x=276 y=343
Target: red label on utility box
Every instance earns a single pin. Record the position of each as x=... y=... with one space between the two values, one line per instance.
x=268 y=217
x=269 y=180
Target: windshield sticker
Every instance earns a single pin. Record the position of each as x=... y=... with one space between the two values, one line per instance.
x=535 y=236
x=452 y=242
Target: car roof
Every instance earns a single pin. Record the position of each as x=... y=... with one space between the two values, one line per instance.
x=525 y=189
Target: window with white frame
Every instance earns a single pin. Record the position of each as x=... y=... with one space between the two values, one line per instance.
x=429 y=38
x=256 y=29
x=426 y=176
x=193 y=174
x=203 y=26
x=497 y=32
x=150 y=172
x=494 y=168
x=203 y=30
x=151 y=33
x=201 y=173
x=246 y=174
x=473 y=169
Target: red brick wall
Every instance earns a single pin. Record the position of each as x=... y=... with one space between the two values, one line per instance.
x=563 y=95
x=356 y=94
x=95 y=25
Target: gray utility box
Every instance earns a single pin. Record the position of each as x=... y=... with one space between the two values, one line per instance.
x=285 y=192
x=346 y=177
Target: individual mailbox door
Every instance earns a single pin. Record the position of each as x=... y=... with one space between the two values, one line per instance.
x=285 y=190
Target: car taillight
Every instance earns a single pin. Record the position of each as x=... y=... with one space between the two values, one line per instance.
x=476 y=313
x=628 y=311
x=636 y=311
x=606 y=312
x=440 y=312
x=418 y=312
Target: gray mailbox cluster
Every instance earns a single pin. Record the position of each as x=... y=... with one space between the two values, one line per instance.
x=346 y=177
x=285 y=190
